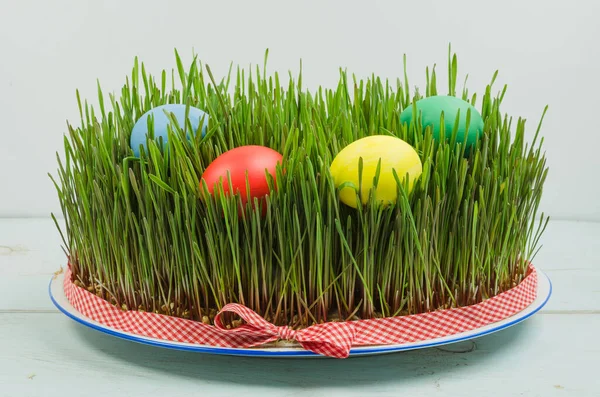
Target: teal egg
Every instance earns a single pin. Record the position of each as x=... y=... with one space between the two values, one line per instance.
x=161 y=123
x=431 y=109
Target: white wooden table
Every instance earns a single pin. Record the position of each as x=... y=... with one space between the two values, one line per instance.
x=555 y=353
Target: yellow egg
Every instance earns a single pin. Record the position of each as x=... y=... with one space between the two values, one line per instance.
x=395 y=154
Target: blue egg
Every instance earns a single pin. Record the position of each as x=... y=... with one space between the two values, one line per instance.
x=161 y=121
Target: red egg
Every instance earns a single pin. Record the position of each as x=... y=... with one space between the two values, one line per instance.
x=253 y=161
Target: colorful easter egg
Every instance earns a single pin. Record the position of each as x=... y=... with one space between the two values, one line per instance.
x=394 y=153
x=161 y=122
x=250 y=161
x=431 y=109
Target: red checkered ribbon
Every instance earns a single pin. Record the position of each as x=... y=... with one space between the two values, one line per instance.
x=332 y=339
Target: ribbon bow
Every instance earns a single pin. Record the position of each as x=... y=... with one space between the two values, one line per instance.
x=333 y=339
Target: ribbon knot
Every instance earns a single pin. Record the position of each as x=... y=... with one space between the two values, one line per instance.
x=333 y=339
x=286 y=333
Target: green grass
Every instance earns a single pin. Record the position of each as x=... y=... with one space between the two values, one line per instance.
x=143 y=234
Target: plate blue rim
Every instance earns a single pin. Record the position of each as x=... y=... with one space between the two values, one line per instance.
x=254 y=352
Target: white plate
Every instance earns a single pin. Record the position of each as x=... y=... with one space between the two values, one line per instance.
x=60 y=300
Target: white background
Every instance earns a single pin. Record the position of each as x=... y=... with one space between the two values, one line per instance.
x=547 y=52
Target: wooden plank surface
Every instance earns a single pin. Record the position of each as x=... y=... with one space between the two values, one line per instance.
x=549 y=355
x=553 y=354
